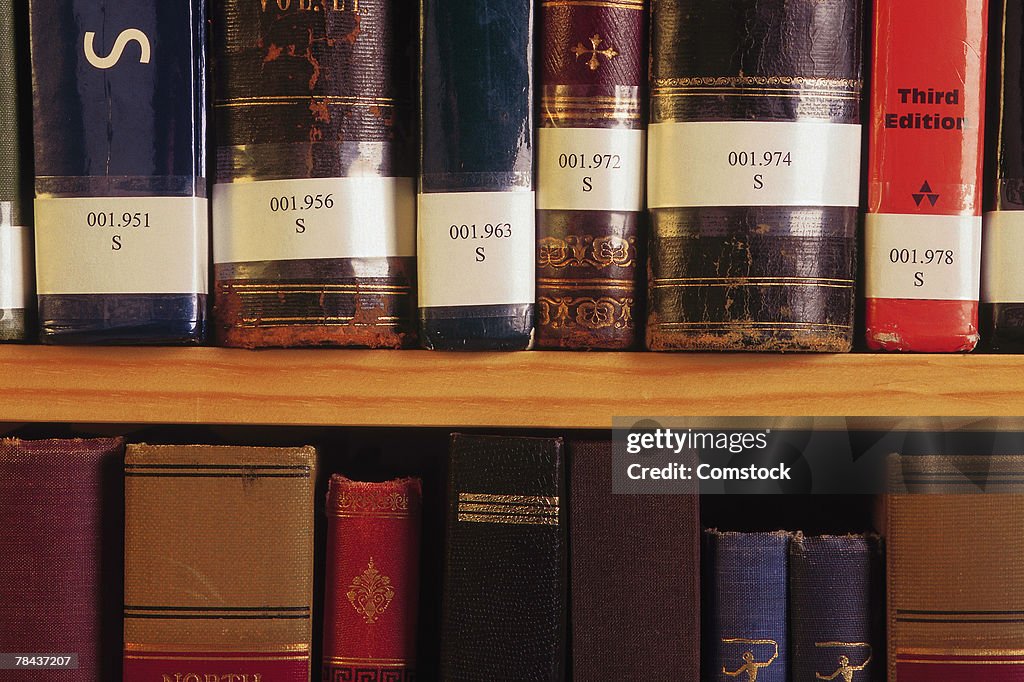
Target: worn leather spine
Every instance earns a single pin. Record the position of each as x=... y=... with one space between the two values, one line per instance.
x=372 y=579
x=1002 y=297
x=618 y=540
x=218 y=563
x=504 y=607
x=742 y=276
x=17 y=300
x=316 y=91
x=590 y=247
x=119 y=103
x=476 y=126
x=60 y=501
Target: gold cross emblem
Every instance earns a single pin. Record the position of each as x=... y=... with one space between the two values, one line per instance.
x=595 y=42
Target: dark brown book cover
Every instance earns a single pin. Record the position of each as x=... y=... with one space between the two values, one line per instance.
x=60 y=555
x=218 y=563
x=314 y=202
x=504 y=608
x=640 y=540
x=590 y=173
x=754 y=227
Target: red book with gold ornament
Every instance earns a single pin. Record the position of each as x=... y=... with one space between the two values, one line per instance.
x=923 y=227
x=372 y=592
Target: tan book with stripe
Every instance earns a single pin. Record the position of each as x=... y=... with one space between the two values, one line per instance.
x=218 y=563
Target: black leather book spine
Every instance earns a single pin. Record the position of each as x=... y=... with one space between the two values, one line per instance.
x=504 y=605
x=753 y=243
x=476 y=222
x=1002 y=275
x=16 y=280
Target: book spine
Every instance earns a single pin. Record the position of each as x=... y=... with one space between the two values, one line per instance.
x=1002 y=278
x=618 y=540
x=745 y=593
x=314 y=198
x=504 y=603
x=372 y=579
x=753 y=229
x=16 y=274
x=923 y=227
x=476 y=223
x=61 y=548
x=121 y=211
x=218 y=563
x=833 y=585
x=590 y=174
x=955 y=589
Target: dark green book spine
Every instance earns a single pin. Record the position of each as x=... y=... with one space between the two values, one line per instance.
x=16 y=275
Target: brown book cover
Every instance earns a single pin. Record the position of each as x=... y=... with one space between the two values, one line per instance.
x=60 y=554
x=218 y=563
x=955 y=577
x=640 y=540
x=372 y=580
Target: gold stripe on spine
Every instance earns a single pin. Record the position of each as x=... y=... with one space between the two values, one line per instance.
x=953 y=651
x=507 y=499
x=380 y=662
x=621 y=4
x=846 y=84
x=191 y=657
x=508 y=509
x=170 y=650
x=508 y=520
x=477 y=507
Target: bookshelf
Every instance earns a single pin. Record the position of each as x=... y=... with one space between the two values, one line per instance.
x=514 y=390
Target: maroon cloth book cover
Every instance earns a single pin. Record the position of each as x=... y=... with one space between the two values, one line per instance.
x=60 y=555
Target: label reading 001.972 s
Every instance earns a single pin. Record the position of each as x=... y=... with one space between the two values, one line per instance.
x=121 y=245
x=590 y=169
x=314 y=218
x=753 y=163
x=476 y=248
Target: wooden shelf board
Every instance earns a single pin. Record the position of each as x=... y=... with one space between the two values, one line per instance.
x=534 y=390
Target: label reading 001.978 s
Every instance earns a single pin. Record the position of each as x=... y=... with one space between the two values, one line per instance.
x=590 y=169
x=476 y=248
x=121 y=245
x=753 y=163
x=314 y=218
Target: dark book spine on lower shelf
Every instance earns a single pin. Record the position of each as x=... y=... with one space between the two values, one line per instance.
x=476 y=221
x=835 y=591
x=119 y=99
x=746 y=631
x=1002 y=277
x=754 y=228
x=60 y=501
x=314 y=201
x=590 y=174
x=922 y=232
x=17 y=302
x=504 y=607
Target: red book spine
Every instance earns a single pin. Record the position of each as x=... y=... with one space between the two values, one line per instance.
x=923 y=228
x=928 y=667
x=372 y=591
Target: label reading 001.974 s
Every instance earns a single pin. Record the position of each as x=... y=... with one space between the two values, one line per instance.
x=753 y=163
x=121 y=245
x=590 y=169
x=314 y=218
x=476 y=248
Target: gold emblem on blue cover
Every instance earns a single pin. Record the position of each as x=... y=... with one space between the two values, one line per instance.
x=751 y=666
x=846 y=669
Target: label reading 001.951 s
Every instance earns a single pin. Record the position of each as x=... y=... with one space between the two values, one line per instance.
x=590 y=169
x=121 y=245
x=476 y=248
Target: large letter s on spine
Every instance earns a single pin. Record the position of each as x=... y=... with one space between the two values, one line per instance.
x=127 y=36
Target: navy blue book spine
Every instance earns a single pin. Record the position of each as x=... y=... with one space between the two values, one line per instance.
x=119 y=101
x=476 y=222
x=746 y=622
x=834 y=583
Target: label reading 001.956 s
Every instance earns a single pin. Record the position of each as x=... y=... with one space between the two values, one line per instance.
x=476 y=248
x=590 y=169
x=121 y=245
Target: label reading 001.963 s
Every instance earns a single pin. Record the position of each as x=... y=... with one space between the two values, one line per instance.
x=590 y=169
x=476 y=248
x=121 y=245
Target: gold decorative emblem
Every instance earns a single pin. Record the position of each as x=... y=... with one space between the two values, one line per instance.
x=584 y=250
x=846 y=669
x=594 y=63
x=751 y=666
x=371 y=593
